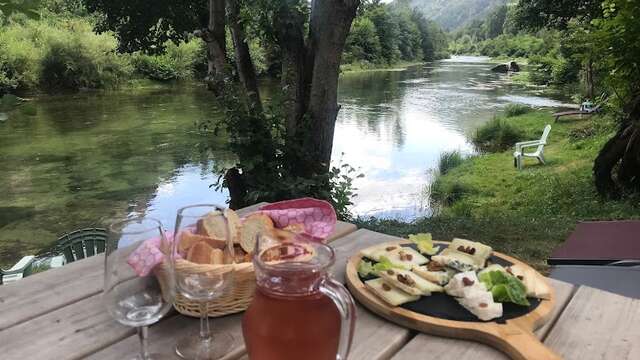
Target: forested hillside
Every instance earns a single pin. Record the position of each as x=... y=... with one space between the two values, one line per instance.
x=454 y=14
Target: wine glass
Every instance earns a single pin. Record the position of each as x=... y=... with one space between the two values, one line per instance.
x=203 y=282
x=135 y=300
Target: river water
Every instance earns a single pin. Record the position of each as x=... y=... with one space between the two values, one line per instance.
x=87 y=158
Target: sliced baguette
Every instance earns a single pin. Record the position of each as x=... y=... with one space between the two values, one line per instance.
x=252 y=226
x=200 y=253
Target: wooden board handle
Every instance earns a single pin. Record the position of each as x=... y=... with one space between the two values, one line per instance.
x=521 y=344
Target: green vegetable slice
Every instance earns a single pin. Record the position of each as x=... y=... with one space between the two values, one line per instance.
x=366 y=268
x=505 y=287
x=424 y=242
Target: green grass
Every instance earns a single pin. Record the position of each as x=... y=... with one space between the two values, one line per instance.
x=512 y=110
x=526 y=213
x=449 y=160
x=497 y=135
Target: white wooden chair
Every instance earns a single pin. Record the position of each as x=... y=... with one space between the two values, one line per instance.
x=18 y=270
x=519 y=154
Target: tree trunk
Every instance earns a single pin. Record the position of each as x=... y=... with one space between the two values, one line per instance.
x=289 y=23
x=328 y=29
x=246 y=70
x=214 y=37
x=589 y=78
x=608 y=158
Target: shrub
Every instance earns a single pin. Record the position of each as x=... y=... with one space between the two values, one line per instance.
x=58 y=53
x=20 y=56
x=444 y=194
x=449 y=160
x=512 y=110
x=82 y=59
x=496 y=135
x=178 y=62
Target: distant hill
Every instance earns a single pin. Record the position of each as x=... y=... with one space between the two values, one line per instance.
x=454 y=14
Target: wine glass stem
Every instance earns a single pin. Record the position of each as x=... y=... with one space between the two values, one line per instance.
x=144 y=344
x=205 y=331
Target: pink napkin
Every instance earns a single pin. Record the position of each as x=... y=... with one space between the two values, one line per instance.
x=317 y=216
x=148 y=255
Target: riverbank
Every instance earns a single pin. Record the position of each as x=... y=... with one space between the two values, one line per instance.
x=366 y=66
x=530 y=212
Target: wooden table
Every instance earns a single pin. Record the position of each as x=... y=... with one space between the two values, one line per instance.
x=59 y=315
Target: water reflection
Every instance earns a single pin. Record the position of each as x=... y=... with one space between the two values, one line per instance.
x=395 y=124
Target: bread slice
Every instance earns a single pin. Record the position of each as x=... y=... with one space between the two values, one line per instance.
x=214 y=225
x=234 y=223
x=200 y=253
x=188 y=239
x=389 y=294
x=252 y=226
x=295 y=228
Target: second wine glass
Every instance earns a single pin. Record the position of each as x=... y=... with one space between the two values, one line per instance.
x=204 y=271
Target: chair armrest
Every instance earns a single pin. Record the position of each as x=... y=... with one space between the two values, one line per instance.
x=20 y=267
x=522 y=145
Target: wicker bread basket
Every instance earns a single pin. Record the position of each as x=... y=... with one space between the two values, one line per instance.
x=235 y=300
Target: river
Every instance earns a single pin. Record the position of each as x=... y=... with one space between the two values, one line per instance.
x=87 y=158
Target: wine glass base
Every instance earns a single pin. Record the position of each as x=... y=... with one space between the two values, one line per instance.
x=194 y=348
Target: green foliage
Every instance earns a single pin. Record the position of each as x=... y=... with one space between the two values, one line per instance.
x=82 y=59
x=387 y=33
x=496 y=135
x=58 y=53
x=177 y=62
x=512 y=110
x=449 y=160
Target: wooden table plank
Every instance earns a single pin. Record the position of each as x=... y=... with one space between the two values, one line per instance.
x=163 y=337
x=71 y=332
x=440 y=347
x=597 y=325
x=50 y=290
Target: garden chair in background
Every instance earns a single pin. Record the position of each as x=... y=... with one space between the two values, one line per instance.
x=519 y=154
x=81 y=244
x=17 y=271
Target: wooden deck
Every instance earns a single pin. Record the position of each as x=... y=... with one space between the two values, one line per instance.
x=59 y=315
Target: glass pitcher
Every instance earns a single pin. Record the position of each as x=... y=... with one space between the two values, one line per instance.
x=298 y=311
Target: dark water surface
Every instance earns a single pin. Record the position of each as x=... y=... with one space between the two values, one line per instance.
x=84 y=159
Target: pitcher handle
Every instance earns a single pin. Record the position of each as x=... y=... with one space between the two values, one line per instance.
x=347 y=309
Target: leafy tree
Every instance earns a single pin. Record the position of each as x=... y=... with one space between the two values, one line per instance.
x=283 y=146
x=363 y=42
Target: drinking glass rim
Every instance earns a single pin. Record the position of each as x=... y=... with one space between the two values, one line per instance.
x=180 y=210
x=140 y=219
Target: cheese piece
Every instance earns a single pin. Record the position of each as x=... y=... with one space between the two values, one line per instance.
x=414 y=284
x=457 y=260
x=401 y=256
x=406 y=257
x=436 y=277
x=389 y=294
x=537 y=287
x=374 y=252
x=481 y=252
x=459 y=287
x=481 y=304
